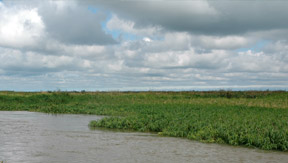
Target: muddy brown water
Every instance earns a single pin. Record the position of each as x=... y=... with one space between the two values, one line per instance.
x=28 y=137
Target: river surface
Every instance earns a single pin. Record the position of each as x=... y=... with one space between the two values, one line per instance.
x=28 y=137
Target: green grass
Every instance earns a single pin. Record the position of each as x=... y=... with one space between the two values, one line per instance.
x=252 y=118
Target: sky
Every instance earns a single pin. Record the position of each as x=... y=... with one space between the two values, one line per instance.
x=141 y=45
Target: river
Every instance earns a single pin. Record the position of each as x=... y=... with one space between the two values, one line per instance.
x=29 y=137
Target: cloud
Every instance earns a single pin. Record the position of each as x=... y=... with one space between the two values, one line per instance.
x=123 y=26
x=224 y=42
x=20 y=27
x=28 y=23
x=169 y=14
x=142 y=45
x=31 y=64
x=73 y=24
x=205 y=16
x=186 y=59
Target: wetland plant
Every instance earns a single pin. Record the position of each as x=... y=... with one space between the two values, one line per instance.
x=246 y=118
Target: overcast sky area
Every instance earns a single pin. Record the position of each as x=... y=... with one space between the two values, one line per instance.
x=102 y=45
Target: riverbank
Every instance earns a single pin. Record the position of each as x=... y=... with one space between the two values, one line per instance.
x=34 y=137
x=252 y=118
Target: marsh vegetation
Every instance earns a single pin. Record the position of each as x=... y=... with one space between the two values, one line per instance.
x=247 y=118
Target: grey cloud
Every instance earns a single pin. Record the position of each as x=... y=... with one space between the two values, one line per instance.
x=77 y=54
x=59 y=21
x=75 y=25
x=207 y=16
x=18 y=63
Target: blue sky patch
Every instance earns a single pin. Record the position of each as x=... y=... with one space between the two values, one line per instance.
x=256 y=47
x=92 y=9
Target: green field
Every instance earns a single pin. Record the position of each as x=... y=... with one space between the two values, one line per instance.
x=251 y=118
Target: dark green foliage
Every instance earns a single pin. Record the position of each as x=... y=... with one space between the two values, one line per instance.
x=256 y=127
x=253 y=118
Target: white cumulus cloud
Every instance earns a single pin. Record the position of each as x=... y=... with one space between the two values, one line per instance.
x=20 y=27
